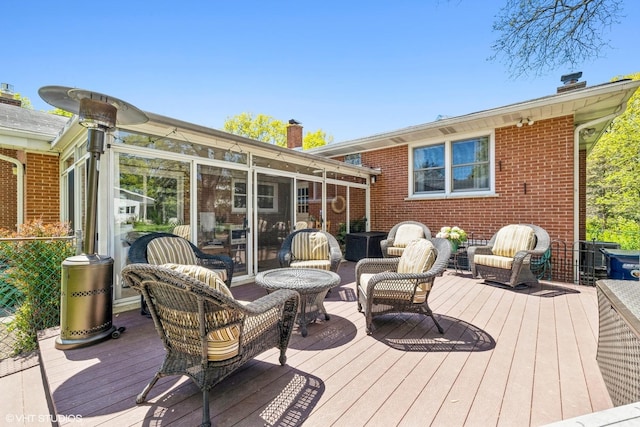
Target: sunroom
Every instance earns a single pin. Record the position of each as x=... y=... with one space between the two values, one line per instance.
x=227 y=194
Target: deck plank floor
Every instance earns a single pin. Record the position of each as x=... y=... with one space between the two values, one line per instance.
x=507 y=358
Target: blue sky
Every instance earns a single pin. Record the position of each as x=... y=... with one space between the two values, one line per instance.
x=352 y=69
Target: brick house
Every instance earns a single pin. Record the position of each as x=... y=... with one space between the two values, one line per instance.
x=523 y=162
x=534 y=166
x=29 y=169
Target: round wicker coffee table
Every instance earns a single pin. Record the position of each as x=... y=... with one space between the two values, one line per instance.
x=312 y=285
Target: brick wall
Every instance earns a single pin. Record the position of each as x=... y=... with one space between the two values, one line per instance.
x=8 y=195
x=540 y=156
x=42 y=199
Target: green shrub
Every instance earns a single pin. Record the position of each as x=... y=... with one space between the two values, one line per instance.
x=34 y=271
x=618 y=230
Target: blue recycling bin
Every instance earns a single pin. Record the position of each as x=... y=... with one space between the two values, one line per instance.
x=622 y=264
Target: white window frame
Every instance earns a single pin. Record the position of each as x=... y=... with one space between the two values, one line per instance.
x=448 y=193
x=272 y=209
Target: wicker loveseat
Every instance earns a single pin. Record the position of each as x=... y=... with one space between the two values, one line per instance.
x=400 y=235
x=506 y=258
x=401 y=284
x=310 y=248
x=206 y=333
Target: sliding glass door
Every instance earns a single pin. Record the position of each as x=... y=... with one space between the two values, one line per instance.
x=274 y=217
x=222 y=226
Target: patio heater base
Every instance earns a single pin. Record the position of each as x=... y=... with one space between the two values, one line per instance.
x=85 y=304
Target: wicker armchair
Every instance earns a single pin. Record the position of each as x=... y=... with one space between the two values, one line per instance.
x=206 y=333
x=310 y=248
x=401 y=284
x=400 y=235
x=164 y=248
x=506 y=258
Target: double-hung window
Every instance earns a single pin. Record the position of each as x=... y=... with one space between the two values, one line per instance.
x=452 y=167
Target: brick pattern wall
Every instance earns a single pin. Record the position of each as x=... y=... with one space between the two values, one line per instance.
x=42 y=188
x=8 y=195
x=539 y=156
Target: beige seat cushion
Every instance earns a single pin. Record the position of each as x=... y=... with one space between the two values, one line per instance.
x=418 y=257
x=395 y=251
x=223 y=343
x=407 y=233
x=174 y=250
x=310 y=246
x=513 y=238
x=496 y=261
x=312 y=263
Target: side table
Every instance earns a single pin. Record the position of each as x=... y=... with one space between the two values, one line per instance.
x=459 y=259
x=312 y=285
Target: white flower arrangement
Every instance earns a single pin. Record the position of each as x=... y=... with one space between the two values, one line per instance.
x=454 y=234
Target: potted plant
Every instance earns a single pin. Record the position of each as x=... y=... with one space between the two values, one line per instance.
x=455 y=235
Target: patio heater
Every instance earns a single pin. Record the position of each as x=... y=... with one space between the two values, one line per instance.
x=87 y=279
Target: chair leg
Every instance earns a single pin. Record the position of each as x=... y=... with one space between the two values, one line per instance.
x=426 y=310
x=143 y=395
x=206 y=420
x=437 y=324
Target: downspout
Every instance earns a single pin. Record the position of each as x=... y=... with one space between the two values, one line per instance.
x=20 y=187
x=576 y=167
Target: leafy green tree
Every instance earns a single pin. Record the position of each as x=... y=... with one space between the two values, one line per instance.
x=315 y=139
x=261 y=127
x=60 y=112
x=267 y=129
x=613 y=177
x=537 y=35
x=26 y=102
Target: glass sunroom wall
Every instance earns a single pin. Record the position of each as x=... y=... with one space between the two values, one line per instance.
x=150 y=194
x=345 y=207
x=274 y=216
x=222 y=214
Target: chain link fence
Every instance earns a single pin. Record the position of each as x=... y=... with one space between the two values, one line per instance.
x=30 y=270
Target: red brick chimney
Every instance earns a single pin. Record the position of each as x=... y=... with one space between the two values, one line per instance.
x=294 y=134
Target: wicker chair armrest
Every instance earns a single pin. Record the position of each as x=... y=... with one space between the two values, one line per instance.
x=274 y=299
x=388 y=242
x=375 y=265
x=403 y=277
x=480 y=250
x=521 y=255
x=335 y=253
x=383 y=246
x=284 y=258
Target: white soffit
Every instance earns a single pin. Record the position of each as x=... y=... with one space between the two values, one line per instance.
x=586 y=104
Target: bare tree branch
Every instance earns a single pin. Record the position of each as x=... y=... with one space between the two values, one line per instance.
x=539 y=35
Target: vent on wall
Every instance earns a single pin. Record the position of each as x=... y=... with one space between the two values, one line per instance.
x=447 y=130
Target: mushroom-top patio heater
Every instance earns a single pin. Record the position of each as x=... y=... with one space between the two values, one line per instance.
x=87 y=279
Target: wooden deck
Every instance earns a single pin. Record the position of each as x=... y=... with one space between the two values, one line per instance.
x=507 y=358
